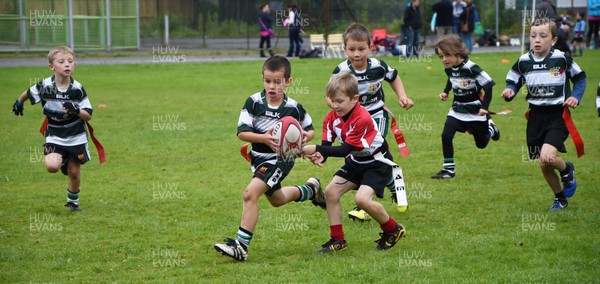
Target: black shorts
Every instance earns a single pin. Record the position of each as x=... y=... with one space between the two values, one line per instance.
x=77 y=153
x=374 y=174
x=476 y=128
x=546 y=126
x=273 y=174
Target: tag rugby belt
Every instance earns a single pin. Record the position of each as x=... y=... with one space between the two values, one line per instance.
x=99 y=147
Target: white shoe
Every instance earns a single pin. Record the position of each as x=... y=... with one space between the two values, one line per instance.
x=233 y=249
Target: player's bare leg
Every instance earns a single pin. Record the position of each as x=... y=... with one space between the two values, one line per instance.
x=53 y=162
x=238 y=248
x=283 y=196
x=549 y=163
x=392 y=231
x=74 y=170
x=74 y=174
x=336 y=188
x=255 y=189
x=364 y=199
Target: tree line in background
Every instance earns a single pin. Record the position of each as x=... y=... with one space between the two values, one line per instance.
x=238 y=18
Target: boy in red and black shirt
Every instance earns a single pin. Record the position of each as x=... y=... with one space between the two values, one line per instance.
x=364 y=170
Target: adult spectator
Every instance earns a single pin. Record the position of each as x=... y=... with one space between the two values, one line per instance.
x=294 y=24
x=265 y=23
x=546 y=10
x=458 y=7
x=444 y=20
x=467 y=20
x=593 y=23
x=413 y=24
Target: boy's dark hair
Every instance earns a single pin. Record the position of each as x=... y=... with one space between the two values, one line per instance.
x=262 y=6
x=342 y=83
x=546 y=21
x=278 y=63
x=357 y=32
x=451 y=45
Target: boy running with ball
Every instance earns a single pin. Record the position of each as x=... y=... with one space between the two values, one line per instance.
x=255 y=125
x=546 y=73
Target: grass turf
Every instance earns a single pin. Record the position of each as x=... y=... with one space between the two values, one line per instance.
x=173 y=182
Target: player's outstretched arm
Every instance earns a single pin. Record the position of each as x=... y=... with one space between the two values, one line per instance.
x=17 y=108
x=398 y=88
x=310 y=151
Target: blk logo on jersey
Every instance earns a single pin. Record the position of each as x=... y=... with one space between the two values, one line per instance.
x=273 y=114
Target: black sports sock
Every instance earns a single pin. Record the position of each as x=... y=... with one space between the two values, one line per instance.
x=566 y=171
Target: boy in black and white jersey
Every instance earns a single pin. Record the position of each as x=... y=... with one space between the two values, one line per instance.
x=255 y=125
x=469 y=111
x=370 y=73
x=67 y=108
x=546 y=72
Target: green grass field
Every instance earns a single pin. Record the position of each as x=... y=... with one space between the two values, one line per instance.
x=173 y=183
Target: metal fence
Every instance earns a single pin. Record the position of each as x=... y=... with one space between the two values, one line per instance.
x=79 y=24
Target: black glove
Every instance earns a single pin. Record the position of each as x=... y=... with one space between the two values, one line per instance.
x=18 y=108
x=71 y=108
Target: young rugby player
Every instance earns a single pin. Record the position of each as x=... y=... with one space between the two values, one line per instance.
x=370 y=73
x=366 y=167
x=546 y=72
x=255 y=125
x=67 y=108
x=469 y=112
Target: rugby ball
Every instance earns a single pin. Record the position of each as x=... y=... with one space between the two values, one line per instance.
x=288 y=135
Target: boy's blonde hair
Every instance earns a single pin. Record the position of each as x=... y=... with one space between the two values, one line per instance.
x=342 y=83
x=545 y=21
x=451 y=45
x=59 y=49
x=357 y=32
